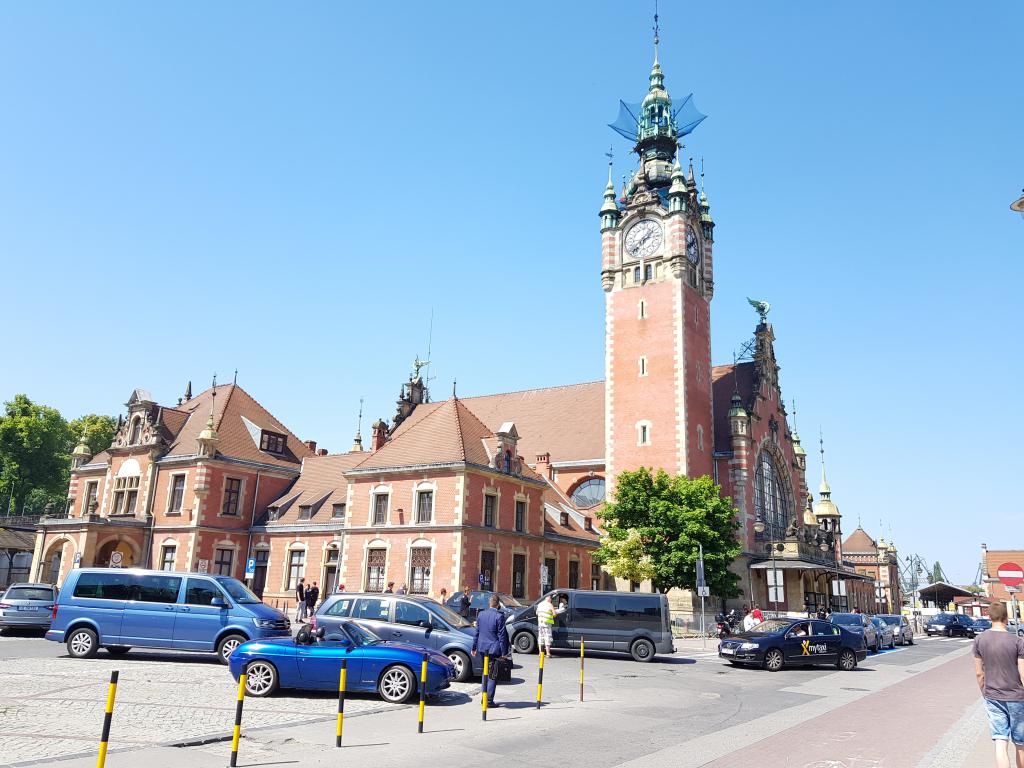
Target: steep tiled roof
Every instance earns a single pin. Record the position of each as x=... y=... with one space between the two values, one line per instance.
x=567 y=421
x=859 y=541
x=234 y=406
x=723 y=384
x=574 y=523
x=322 y=483
x=444 y=433
x=173 y=419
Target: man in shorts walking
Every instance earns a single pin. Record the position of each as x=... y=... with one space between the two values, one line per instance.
x=999 y=667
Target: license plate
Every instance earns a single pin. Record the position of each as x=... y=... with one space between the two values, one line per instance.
x=728 y=651
x=28 y=608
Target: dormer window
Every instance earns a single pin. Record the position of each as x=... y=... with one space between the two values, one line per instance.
x=588 y=524
x=305 y=512
x=564 y=519
x=272 y=442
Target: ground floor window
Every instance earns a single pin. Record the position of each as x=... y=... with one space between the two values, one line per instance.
x=296 y=566
x=486 y=578
x=574 y=574
x=551 y=565
x=376 y=561
x=519 y=576
x=223 y=560
x=595 y=576
x=167 y=557
x=419 y=570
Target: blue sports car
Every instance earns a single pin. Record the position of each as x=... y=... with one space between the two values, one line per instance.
x=313 y=661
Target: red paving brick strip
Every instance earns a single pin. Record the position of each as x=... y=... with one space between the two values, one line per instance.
x=873 y=730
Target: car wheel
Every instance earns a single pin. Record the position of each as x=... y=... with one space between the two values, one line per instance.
x=773 y=660
x=82 y=643
x=463 y=667
x=396 y=685
x=642 y=650
x=260 y=678
x=847 y=661
x=118 y=650
x=524 y=642
x=910 y=640
x=227 y=646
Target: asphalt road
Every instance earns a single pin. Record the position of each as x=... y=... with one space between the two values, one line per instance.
x=910 y=707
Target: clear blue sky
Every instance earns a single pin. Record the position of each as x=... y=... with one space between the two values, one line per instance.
x=290 y=188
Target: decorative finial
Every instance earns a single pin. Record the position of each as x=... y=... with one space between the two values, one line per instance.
x=213 y=397
x=454 y=382
x=702 y=175
x=656 y=38
x=357 y=444
x=794 y=414
x=824 y=488
x=235 y=380
x=417 y=366
x=610 y=154
x=761 y=307
x=188 y=391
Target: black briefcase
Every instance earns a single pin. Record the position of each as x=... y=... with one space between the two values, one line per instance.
x=500 y=669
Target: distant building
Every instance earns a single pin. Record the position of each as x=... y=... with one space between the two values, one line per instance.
x=879 y=561
x=991 y=560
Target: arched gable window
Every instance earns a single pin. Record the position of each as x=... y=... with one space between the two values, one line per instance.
x=589 y=492
x=136 y=431
x=773 y=497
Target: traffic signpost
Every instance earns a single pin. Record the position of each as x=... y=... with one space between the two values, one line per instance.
x=250 y=568
x=703 y=591
x=1012 y=576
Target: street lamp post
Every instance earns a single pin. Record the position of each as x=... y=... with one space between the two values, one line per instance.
x=759 y=527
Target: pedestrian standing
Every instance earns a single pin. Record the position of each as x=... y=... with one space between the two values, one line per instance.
x=465 y=602
x=444 y=596
x=999 y=668
x=756 y=613
x=300 y=601
x=311 y=596
x=402 y=590
x=546 y=613
x=749 y=622
x=491 y=639
x=391 y=588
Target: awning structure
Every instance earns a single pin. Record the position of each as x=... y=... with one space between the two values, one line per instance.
x=807 y=565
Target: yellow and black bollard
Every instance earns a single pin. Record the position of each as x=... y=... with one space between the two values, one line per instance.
x=342 y=682
x=540 y=676
x=581 y=669
x=238 y=720
x=423 y=692
x=108 y=714
x=483 y=680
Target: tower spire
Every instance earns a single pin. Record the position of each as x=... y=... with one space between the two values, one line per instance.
x=823 y=489
x=656 y=30
x=357 y=443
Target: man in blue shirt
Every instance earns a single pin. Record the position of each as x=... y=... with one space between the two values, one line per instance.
x=491 y=640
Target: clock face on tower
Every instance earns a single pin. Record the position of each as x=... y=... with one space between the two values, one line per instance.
x=692 y=246
x=643 y=239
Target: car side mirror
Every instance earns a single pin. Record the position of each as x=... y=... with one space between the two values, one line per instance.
x=218 y=602
x=345 y=643
x=425 y=624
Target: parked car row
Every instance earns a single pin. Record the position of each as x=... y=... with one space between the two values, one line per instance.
x=886 y=630
x=959 y=625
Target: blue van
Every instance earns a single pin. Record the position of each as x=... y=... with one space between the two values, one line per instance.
x=122 y=608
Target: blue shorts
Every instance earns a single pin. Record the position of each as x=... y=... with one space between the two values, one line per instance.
x=1006 y=720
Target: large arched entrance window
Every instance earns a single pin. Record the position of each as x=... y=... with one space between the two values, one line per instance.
x=773 y=498
x=589 y=492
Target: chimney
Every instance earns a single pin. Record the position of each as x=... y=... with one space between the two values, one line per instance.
x=311 y=444
x=380 y=435
x=544 y=465
x=322 y=452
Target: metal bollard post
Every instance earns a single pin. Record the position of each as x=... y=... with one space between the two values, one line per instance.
x=238 y=720
x=343 y=679
x=484 y=682
x=581 y=669
x=108 y=714
x=540 y=677
x=423 y=692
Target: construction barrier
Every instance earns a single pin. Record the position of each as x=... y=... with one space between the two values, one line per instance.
x=342 y=682
x=423 y=692
x=108 y=714
x=238 y=720
x=581 y=669
x=540 y=676
x=483 y=681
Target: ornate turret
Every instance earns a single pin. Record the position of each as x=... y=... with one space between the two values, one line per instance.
x=677 y=192
x=798 y=452
x=609 y=209
x=81 y=454
x=737 y=416
x=208 y=439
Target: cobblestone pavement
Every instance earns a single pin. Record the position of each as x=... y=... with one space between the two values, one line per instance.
x=53 y=707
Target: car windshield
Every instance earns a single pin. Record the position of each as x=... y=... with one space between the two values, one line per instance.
x=29 y=593
x=942 y=618
x=448 y=615
x=238 y=591
x=848 y=619
x=983 y=622
x=891 y=620
x=359 y=635
x=508 y=601
x=770 y=627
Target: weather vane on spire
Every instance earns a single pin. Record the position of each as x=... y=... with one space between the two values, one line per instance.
x=656 y=39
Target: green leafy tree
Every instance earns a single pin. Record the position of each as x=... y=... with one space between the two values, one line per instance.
x=669 y=517
x=34 y=445
x=937 y=574
x=98 y=430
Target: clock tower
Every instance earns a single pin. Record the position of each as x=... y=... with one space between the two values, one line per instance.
x=656 y=271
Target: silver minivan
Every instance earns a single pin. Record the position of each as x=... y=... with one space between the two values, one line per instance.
x=407 y=619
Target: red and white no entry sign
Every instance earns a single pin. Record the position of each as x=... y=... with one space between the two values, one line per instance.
x=1011 y=574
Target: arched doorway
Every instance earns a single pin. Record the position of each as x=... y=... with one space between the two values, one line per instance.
x=59 y=554
x=105 y=557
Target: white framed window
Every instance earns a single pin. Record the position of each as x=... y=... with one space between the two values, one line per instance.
x=91 y=493
x=380 y=509
x=296 y=567
x=490 y=510
x=126 y=495
x=167 y=555
x=424 y=507
x=176 y=494
x=642 y=366
x=643 y=433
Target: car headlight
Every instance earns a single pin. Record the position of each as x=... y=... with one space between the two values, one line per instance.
x=264 y=623
x=748 y=647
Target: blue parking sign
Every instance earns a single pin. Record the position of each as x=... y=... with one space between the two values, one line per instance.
x=250 y=567
x=481 y=578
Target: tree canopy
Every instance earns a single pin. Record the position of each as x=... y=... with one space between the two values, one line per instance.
x=98 y=431
x=656 y=524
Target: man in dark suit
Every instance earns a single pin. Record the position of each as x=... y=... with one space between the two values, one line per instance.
x=492 y=640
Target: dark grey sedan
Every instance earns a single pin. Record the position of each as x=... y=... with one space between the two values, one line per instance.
x=27 y=605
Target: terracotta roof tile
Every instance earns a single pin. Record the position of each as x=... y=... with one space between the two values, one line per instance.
x=566 y=421
x=233 y=404
x=322 y=482
x=859 y=541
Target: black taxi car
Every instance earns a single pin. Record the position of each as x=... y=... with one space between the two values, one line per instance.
x=777 y=643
